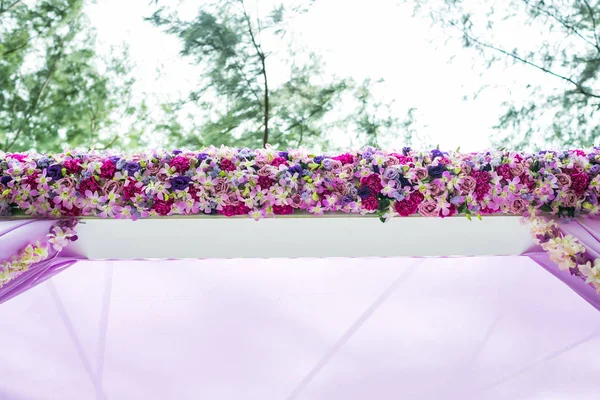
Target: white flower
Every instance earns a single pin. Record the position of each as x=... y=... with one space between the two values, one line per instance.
x=591 y=273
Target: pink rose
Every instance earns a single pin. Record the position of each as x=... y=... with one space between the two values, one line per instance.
x=563 y=179
x=465 y=169
x=348 y=169
x=66 y=182
x=428 y=209
x=230 y=199
x=152 y=169
x=391 y=161
x=336 y=165
x=421 y=173
x=264 y=171
x=112 y=186
x=468 y=185
x=221 y=186
x=162 y=176
x=435 y=189
x=296 y=200
x=517 y=170
x=518 y=206
x=570 y=199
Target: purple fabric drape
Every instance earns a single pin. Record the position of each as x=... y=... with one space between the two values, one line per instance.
x=16 y=235
x=587 y=230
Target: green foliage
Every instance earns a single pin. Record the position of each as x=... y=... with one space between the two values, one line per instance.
x=54 y=90
x=252 y=90
x=564 y=110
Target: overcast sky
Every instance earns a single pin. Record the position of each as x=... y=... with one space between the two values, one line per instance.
x=357 y=38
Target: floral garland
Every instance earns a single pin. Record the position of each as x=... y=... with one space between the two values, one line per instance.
x=565 y=250
x=60 y=235
x=266 y=182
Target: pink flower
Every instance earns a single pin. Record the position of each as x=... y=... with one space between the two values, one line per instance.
x=570 y=199
x=373 y=181
x=517 y=169
x=579 y=183
x=180 y=163
x=405 y=207
x=227 y=165
x=468 y=185
x=162 y=207
x=563 y=180
x=296 y=200
x=277 y=161
x=504 y=171
x=221 y=186
x=518 y=206
x=421 y=173
x=283 y=210
x=88 y=184
x=370 y=203
x=345 y=158
x=448 y=211
x=73 y=166
x=428 y=208
x=265 y=182
x=108 y=169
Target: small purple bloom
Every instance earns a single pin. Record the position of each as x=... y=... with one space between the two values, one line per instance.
x=54 y=172
x=364 y=192
x=328 y=163
x=202 y=157
x=595 y=169
x=114 y=159
x=318 y=159
x=403 y=181
x=43 y=163
x=436 y=153
x=406 y=150
x=132 y=168
x=177 y=152
x=347 y=200
x=5 y=179
x=284 y=154
x=121 y=164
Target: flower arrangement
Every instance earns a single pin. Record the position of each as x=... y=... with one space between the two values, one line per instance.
x=60 y=235
x=565 y=250
x=267 y=182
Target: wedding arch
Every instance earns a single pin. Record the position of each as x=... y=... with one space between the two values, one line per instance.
x=264 y=274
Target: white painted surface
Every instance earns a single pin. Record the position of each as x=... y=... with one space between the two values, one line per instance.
x=331 y=236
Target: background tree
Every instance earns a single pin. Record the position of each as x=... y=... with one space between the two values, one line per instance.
x=55 y=92
x=256 y=86
x=561 y=43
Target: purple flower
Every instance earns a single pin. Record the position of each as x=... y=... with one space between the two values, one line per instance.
x=595 y=169
x=436 y=153
x=43 y=163
x=132 y=168
x=436 y=171
x=5 y=179
x=391 y=173
x=180 y=182
x=177 y=152
x=284 y=154
x=328 y=163
x=347 y=200
x=121 y=164
x=318 y=159
x=364 y=192
x=406 y=150
x=202 y=157
x=403 y=181
x=54 y=172
x=295 y=169
x=114 y=159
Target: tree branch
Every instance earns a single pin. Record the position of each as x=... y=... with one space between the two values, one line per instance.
x=37 y=99
x=579 y=87
x=591 y=11
x=261 y=55
x=9 y=7
x=565 y=24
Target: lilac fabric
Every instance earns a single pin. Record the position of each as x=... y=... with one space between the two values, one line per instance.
x=15 y=235
x=483 y=328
